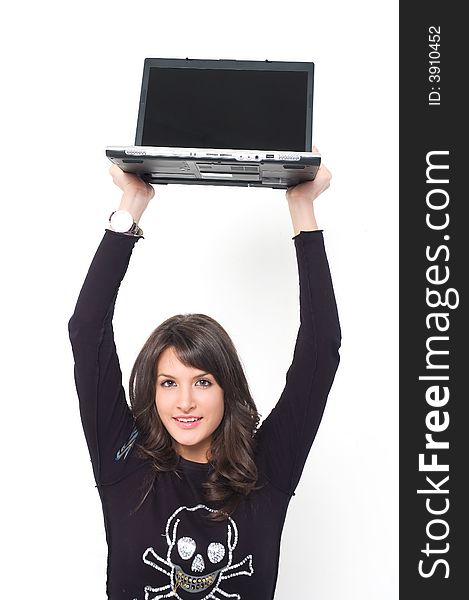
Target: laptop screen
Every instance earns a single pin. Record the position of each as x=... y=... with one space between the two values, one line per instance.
x=211 y=106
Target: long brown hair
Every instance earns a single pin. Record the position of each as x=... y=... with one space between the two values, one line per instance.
x=200 y=342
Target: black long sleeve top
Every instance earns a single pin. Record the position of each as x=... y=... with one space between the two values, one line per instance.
x=167 y=548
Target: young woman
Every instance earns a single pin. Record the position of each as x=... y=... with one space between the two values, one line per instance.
x=194 y=492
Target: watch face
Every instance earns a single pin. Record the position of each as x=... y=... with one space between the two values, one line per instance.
x=121 y=221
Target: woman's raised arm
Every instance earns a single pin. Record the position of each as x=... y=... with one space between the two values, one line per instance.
x=286 y=435
x=107 y=420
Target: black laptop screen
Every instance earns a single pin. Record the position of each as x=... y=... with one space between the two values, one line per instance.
x=226 y=108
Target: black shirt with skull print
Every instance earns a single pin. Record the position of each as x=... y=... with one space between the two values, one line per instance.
x=168 y=548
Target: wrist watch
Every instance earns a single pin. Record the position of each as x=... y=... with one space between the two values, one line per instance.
x=123 y=222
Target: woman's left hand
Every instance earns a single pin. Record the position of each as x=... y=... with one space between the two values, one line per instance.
x=308 y=191
x=301 y=197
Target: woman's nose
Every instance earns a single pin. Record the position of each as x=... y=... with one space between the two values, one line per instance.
x=185 y=399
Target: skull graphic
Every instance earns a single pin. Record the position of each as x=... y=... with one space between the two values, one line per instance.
x=197 y=569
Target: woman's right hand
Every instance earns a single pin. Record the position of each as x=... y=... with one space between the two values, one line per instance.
x=136 y=193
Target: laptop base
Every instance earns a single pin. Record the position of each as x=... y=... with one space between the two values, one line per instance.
x=270 y=174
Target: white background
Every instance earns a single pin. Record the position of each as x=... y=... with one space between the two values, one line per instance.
x=71 y=80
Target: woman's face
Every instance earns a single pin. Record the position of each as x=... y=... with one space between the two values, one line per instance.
x=182 y=395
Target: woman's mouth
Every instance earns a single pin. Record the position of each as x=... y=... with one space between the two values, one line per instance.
x=187 y=422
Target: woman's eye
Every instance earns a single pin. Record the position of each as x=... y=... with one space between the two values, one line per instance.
x=163 y=383
x=203 y=383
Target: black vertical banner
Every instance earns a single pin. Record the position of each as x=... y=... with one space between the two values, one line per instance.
x=434 y=252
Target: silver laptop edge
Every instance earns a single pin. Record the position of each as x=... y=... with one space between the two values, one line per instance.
x=241 y=155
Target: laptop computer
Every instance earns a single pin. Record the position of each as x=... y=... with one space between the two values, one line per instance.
x=223 y=122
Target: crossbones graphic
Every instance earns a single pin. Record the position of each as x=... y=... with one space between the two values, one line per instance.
x=196 y=572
